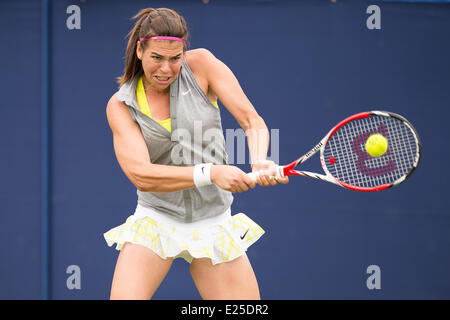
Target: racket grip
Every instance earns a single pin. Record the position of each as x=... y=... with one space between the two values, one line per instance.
x=255 y=174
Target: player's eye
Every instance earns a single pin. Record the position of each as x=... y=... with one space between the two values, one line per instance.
x=156 y=58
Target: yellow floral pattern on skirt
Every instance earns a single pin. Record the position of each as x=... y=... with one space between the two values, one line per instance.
x=221 y=241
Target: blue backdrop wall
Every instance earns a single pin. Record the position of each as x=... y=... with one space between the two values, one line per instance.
x=305 y=65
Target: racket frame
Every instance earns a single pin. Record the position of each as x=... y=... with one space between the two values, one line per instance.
x=328 y=177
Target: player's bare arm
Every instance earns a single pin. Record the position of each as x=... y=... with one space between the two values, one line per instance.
x=223 y=83
x=132 y=155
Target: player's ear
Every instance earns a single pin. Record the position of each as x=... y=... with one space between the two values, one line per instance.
x=139 y=50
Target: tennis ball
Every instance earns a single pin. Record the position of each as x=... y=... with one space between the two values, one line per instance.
x=376 y=145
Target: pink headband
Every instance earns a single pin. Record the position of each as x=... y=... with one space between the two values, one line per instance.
x=163 y=38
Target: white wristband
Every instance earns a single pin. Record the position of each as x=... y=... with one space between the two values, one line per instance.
x=202 y=174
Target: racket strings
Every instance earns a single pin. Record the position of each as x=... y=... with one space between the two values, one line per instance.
x=347 y=160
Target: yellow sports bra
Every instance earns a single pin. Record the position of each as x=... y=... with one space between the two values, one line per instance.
x=143 y=105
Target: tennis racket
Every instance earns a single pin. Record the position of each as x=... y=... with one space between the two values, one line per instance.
x=346 y=162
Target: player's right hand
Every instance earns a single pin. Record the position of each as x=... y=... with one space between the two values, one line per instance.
x=231 y=178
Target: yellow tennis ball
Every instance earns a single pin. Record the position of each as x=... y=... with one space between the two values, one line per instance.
x=376 y=145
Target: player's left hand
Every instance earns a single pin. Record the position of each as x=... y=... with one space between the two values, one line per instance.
x=267 y=173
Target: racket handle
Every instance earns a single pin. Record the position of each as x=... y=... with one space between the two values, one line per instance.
x=255 y=174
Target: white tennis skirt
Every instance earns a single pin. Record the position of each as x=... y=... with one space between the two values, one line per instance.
x=221 y=238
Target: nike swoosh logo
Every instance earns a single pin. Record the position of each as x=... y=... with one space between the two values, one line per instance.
x=185 y=93
x=203 y=170
x=243 y=236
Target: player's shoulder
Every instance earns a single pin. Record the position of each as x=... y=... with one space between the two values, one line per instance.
x=198 y=54
x=116 y=112
x=199 y=59
x=113 y=103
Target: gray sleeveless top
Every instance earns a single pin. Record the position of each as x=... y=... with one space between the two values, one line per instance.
x=196 y=137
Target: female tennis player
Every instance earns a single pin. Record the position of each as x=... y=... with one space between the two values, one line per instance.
x=169 y=142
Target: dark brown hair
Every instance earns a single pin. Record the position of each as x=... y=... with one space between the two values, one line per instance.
x=151 y=22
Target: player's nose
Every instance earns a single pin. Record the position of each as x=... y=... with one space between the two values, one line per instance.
x=165 y=67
